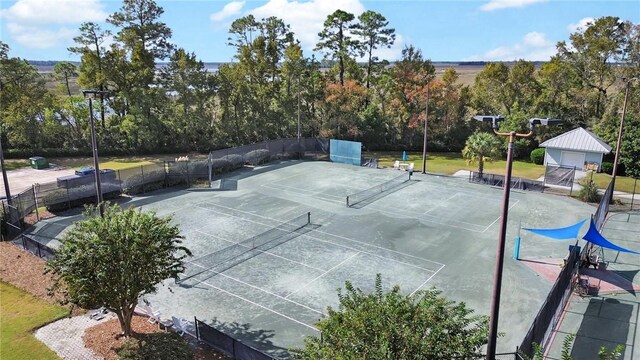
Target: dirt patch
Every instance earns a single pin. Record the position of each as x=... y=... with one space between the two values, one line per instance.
x=25 y=271
x=105 y=339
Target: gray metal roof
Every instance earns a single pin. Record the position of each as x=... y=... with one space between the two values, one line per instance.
x=578 y=140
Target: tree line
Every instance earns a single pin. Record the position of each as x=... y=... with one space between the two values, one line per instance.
x=349 y=93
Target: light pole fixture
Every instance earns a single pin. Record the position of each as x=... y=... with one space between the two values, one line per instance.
x=497 y=276
x=424 y=144
x=92 y=94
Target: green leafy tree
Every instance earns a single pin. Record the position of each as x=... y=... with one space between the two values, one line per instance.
x=335 y=39
x=630 y=147
x=374 y=33
x=407 y=106
x=590 y=54
x=482 y=147
x=65 y=70
x=113 y=260
x=390 y=325
x=23 y=99
x=91 y=74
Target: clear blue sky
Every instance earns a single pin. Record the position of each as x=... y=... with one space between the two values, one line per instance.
x=444 y=30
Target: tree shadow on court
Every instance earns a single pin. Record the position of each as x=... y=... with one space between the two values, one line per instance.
x=605 y=322
x=367 y=201
x=258 y=339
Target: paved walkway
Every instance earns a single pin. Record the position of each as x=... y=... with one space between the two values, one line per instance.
x=65 y=337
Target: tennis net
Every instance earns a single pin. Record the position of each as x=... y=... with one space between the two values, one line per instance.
x=235 y=254
x=386 y=186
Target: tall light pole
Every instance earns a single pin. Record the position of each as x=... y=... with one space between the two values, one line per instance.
x=620 y=129
x=497 y=276
x=7 y=192
x=299 y=115
x=91 y=94
x=424 y=144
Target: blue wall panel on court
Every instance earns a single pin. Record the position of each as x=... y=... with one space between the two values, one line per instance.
x=346 y=152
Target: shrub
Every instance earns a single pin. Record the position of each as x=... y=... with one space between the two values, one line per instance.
x=607 y=167
x=537 y=156
x=589 y=191
x=155 y=346
x=257 y=157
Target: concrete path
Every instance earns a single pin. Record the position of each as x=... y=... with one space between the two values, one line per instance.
x=21 y=179
x=65 y=337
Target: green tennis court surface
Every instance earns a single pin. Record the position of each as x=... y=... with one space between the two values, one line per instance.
x=432 y=231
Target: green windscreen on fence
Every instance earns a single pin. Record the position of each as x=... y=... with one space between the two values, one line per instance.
x=346 y=152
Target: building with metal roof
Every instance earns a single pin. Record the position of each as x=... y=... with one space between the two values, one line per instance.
x=577 y=148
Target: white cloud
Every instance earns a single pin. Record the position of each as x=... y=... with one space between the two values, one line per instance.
x=306 y=18
x=505 y=4
x=581 y=25
x=43 y=24
x=38 y=37
x=39 y=12
x=231 y=9
x=534 y=46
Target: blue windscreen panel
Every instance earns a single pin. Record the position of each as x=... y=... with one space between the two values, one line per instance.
x=346 y=152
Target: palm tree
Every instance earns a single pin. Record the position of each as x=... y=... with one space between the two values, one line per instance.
x=481 y=147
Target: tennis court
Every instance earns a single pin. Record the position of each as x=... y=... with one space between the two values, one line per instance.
x=268 y=287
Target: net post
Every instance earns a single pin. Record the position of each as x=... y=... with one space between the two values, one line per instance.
x=347 y=201
x=308 y=217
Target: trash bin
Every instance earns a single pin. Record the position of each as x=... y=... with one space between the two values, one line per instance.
x=38 y=162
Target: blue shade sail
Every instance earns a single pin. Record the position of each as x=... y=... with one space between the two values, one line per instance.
x=569 y=232
x=593 y=236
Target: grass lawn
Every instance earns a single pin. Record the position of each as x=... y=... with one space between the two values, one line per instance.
x=12 y=164
x=449 y=163
x=119 y=162
x=623 y=183
x=20 y=314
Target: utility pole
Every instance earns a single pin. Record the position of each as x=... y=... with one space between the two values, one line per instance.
x=4 y=173
x=90 y=94
x=424 y=144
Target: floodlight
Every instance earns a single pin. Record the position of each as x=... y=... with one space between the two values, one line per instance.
x=493 y=119
x=546 y=121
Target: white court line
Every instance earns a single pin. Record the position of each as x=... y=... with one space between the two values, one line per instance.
x=421 y=216
x=262 y=251
x=498 y=218
x=261 y=306
x=441 y=203
x=309 y=195
x=379 y=247
x=338 y=236
x=369 y=253
x=263 y=290
x=426 y=281
x=321 y=275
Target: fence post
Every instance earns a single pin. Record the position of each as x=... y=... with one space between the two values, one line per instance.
x=573 y=176
x=120 y=181
x=66 y=182
x=188 y=178
x=35 y=201
x=142 y=172
x=164 y=167
x=195 y=321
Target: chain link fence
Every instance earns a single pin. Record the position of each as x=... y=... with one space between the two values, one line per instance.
x=70 y=192
x=227 y=344
x=498 y=181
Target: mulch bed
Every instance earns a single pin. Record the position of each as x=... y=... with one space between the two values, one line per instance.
x=104 y=339
x=26 y=271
